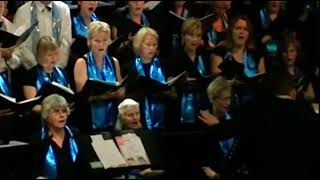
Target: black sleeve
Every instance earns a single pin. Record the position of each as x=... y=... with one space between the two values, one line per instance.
x=30 y=77
x=39 y=147
x=117 y=17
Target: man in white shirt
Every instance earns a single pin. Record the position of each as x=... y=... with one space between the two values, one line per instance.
x=5 y=25
x=54 y=20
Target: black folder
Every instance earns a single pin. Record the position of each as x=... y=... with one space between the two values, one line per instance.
x=7 y=102
x=8 y=40
x=56 y=88
x=94 y=87
x=154 y=85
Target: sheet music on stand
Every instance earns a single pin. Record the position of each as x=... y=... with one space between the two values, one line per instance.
x=124 y=150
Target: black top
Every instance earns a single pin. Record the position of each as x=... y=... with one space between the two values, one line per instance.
x=32 y=76
x=124 y=25
x=66 y=168
x=180 y=62
x=230 y=67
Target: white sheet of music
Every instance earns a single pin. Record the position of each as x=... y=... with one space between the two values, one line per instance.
x=132 y=149
x=108 y=154
x=97 y=137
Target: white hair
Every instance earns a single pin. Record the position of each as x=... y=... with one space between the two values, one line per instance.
x=122 y=108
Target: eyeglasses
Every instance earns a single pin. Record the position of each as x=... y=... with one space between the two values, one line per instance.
x=62 y=111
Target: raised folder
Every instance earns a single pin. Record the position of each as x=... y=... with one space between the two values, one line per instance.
x=153 y=84
x=7 y=102
x=9 y=40
x=94 y=87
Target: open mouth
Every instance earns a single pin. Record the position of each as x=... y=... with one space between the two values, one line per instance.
x=62 y=121
x=91 y=9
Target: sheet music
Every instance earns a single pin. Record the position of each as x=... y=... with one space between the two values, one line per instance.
x=12 y=99
x=108 y=154
x=29 y=100
x=132 y=149
x=13 y=143
x=97 y=137
x=62 y=87
x=151 y=4
x=171 y=81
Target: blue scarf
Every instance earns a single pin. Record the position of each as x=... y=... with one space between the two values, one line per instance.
x=154 y=112
x=250 y=69
x=4 y=84
x=81 y=29
x=265 y=18
x=190 y=98
x=57 y=76
x=104 y=113
x=56 y=24
x=226 y=145
x=50 y=165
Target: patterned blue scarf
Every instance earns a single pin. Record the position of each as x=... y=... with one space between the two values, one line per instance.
x=43 y=77
x=190 y=98
x=104 y=113
x=154 y=114
x=50 y=165
x=226 y=145
x=81 y=29
x=265 y=18
x=4 y=84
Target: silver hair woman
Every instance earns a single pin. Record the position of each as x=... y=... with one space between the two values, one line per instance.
x=52 y=103
x=129 y=115
x=58 y=139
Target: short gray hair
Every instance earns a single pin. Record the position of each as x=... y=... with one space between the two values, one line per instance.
x=217 y=87
x=122 y=108
x=53 y=101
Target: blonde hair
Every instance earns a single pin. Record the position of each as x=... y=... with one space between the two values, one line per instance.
x=189 y=25
x=217 y=87
x=140 y=35
x=46 y=43
x=95 y=27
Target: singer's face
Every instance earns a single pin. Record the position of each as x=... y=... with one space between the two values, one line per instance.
x=193 y=39
x=240 y=32
x=57 y=117
x=49 y=58
x=88 y=7
x=222 y=103
x=149 y=46
x=290 y=54
x=136 y=7
x=131 y=118
x=99 y=43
